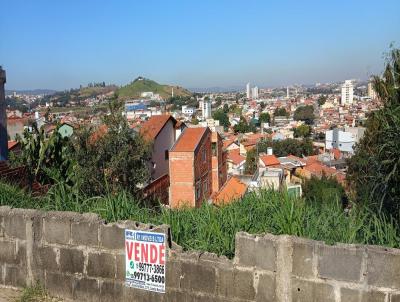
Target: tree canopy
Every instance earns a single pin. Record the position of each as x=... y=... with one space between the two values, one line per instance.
x=222 y=117
x=264 y=117
x=304 y=113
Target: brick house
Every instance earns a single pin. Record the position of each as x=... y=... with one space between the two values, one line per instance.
x=161 y=132
x=219 y=162
x=190 y=168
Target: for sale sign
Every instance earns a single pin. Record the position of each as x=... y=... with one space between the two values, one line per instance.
x=145 y=260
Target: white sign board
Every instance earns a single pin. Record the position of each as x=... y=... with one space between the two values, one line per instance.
x=145 y=260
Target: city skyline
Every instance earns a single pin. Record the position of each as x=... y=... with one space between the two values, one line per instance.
x=61 y=46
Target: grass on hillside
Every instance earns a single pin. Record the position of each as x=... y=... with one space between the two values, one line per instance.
x=213 y=229
x=36 y=294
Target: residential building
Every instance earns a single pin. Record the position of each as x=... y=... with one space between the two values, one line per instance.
x=248 y=91
x=205 y=106
x=345 y=139
x=219 y=164
x=371 y=91
x=160 y=131
x=235 y=162
x=190 y=168
x=233 y=189
x=186 y=110
x=3 y=118
x=254 y=93
x=347 y=93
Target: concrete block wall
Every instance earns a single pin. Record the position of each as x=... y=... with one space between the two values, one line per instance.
x=80 y=257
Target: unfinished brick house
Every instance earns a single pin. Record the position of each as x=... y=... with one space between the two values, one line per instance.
x=219 y=162
x=190 y=168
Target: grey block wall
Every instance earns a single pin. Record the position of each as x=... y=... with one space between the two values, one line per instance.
x=80 y=257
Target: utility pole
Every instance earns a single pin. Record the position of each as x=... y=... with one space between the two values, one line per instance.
x=3 y=118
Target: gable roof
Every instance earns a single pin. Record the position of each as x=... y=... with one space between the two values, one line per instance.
x=235 y=157
x=153 y=126
x=189 y=139
x=270 y=160
x=233 y=189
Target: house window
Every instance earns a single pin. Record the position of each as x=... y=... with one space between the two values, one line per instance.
x=166 y=154
x=214 y=149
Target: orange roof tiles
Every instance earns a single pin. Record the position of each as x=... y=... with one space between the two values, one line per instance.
x=189 y=139
x=154 y=124
x=233 y=189
x=12 y=144
x=235 y=157
x=270 y=160
x=228 y=142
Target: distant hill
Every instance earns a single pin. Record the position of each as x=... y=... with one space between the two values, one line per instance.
x=31 y=92
x=139 y=85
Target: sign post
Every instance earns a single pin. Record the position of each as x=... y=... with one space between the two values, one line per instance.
x=145 y=260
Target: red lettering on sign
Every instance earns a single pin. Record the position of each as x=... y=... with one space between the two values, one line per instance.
x=129 y=248
x=162 y=254
x=153 y=253
x=144 y=254
x=137 y=251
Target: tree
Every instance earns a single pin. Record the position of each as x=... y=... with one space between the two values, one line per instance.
x=250 y=165
x=302 y=131
x=222 y=117
x=264 y=117
x=288 y=146
x=321 y=100
x=262 y=105
x=280 y=111
x=226 y=108
x=218 y=101
x=304 y=113
x=324 y=189
x=374 y=170
x=243 y=126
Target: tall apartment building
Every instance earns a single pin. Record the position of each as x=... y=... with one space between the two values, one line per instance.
x=248 y=91
x=219 y=162
x=371 y=91
x=205 y=106
x=190 y=168
x=254 y=93
x=3 y=118
x=347 y=92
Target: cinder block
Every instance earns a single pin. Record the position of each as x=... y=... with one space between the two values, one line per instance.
x=198 y=278
x=303 y=253
x=265 y=288
x=44 y=258
x=340 y=262
x=86 y=289
x=383 y=268
x=20 y=254
x=15 y=276
x=85 y=233
x=15 y=226
x=120 y=259
x=234 y=283
x=7 y=252
x=71 y=260
x=395 y=298
x=256 y=251
x=57 y=230
x=350 y=295
x=111 y=291
x=112 y=237
x=60 y=285
x=304 y=291
x=173 y=274
x=101 y=265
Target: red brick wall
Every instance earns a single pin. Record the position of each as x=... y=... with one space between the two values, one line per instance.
x=181 y=179
x=219 y=167
x=202 y=169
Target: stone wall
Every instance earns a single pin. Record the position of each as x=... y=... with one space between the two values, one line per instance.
x=80 y=257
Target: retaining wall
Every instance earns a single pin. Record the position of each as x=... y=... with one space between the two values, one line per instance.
x=80 y=257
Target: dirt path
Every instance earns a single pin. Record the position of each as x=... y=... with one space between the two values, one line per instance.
x=9 y=295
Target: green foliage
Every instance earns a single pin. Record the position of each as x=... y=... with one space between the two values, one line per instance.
x=374 y=170
x=324 y=189
x=302 y=131
x=304 y=113
x=243 y=126
x=258 y=212
x=264 y=117
x=226 y=108
x=262 y=105
x=288 y=146
x=222 y=117
x=322 y=99
x=280 y=111
x=250 y=165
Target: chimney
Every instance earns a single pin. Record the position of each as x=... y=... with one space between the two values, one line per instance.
x=270 y=151
x=3 y=118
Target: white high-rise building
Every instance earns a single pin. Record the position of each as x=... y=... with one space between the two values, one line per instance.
x=287 y=92
x=254 y=92
x=371 y=91
x=248 y=91
x=205 y=106
x=347 y=92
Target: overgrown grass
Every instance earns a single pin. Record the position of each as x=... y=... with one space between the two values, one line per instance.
x=213 y=229
x=36 y=293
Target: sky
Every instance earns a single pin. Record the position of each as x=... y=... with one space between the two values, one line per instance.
x=205 y=43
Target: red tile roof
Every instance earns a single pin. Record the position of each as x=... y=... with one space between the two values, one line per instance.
x=270 y=160
x=235 y=157
x=189 y=139
x=233 y=189
x=12 y=144
x=152 y=127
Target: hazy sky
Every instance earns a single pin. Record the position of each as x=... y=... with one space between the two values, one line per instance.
x=60 y=44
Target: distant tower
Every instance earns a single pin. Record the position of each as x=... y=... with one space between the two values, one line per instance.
x=3 y=118
x=206 y=108
x=254 y=93
x=248 y=92
x=172 y=92
x=287 y=92
x=347 y=92
x=371 y=91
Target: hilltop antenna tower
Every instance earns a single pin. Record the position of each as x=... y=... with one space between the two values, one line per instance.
x=3 y=118
x=172 y=92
